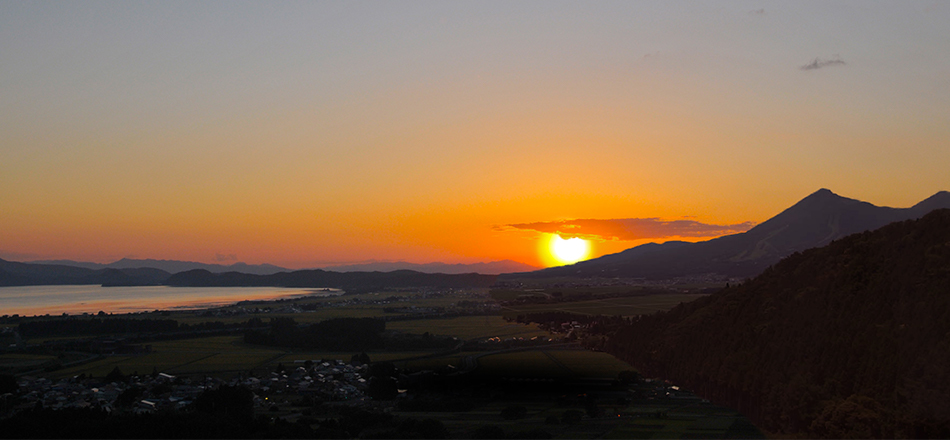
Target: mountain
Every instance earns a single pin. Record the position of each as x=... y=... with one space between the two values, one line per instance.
x=814 y=221
x=172 y=266
x=851 y=340
x=490 y=268
x=27 y=274
x=351 y=281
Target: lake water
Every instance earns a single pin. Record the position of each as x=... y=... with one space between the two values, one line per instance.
x=56 y=300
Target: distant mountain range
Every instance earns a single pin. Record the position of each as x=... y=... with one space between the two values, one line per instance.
x=30 y=274
x=850 y=340
x=175 y=266
x=350 y=281
x=134 y=272
x=814 y=221
x=491 y=268
x=172 y=266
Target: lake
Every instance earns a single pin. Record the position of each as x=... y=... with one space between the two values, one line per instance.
x=56 y=300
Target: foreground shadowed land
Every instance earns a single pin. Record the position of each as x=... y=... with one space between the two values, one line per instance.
x=848 y=340
x=464 y=370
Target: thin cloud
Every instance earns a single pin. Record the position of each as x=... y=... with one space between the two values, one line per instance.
x=760 y=11
x=818 y=63
x=222 y=257
x=629 y=229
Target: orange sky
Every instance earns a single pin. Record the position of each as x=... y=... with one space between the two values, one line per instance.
x=305 y=135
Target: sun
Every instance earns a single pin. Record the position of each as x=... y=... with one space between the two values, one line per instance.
x=569 y=251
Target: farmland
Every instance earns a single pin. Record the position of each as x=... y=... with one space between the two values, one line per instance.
x=506 y=364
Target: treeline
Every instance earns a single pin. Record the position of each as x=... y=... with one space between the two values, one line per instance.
x=847 y=341
x=558 y=297
x=116 y=326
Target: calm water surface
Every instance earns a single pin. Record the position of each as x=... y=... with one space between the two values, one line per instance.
x=56 y=300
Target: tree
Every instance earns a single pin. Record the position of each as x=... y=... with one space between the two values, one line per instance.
x=572 y=417
x=8 y=384
x=382 y=388
x=236 y=402
x=514 y=412
x=115 y=375
x=489 y=432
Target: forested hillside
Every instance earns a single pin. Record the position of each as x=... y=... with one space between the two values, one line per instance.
x=848 y=340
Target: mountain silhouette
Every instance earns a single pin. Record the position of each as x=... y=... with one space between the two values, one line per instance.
x=171 y=266
x=814 y=221
x=28 y=274
x=850 y=340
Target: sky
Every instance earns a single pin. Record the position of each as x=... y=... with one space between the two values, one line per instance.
x=307 y=134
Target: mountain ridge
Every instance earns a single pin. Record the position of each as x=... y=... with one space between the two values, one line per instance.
x=815 y=220
x=849 y=340
x=176 y=266
x=170 y=266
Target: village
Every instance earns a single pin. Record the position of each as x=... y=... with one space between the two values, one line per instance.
x=323 y=380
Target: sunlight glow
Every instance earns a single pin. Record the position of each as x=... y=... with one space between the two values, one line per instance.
x=569 y=251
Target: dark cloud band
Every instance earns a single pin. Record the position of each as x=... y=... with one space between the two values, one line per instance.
x=818 y=63
x=633 y=228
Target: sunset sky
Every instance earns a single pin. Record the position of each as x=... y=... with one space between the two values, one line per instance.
x=306 y=134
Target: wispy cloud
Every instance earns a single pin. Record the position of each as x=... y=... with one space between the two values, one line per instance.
x=818 y=63
x=223 y=258
x=760 y=11
x=632 y=228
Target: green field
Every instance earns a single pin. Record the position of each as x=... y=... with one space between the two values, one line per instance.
x=13 y=362
x=552 y=363
x=229 y=354
x=226 y=354
x=468 y=327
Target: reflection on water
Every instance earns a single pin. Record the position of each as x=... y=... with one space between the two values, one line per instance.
x=55 y=300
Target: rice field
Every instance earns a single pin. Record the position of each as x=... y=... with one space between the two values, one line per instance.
x=185 y=356
x=552 y=363
x=468 y=327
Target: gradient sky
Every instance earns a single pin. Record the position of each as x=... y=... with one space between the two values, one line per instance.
x=311 y=133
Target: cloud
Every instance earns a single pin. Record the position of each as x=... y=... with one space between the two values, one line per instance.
x=629 y=229
x=222 y=257
x=818 y=63
x=760 y=11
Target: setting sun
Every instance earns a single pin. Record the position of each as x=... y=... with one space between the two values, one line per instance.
x=569 y=251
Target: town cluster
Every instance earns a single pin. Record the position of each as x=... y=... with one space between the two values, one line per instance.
x=332 y=380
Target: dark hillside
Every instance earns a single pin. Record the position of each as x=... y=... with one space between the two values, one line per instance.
x=848 y=340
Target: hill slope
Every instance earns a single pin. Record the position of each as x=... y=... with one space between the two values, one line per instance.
x=814 y=221
x=848 y=340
